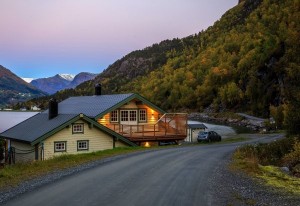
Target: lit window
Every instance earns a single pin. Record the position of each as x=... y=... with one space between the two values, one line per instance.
x=82 y=145
x=124 y=116
x=114 y=116
x=142 y=115
x=132 y=115
x=77 y=128
x=60 y=146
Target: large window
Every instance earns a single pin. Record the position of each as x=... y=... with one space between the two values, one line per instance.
x=114 y=116
x=60 y=146
x=143 y=115
x=77 y=128
x=82 y=145
x=129 y=116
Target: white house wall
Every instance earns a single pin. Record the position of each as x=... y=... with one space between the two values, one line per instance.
x=98 y=140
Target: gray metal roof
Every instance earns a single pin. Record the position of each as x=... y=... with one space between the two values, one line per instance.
x=91 y=106
x=197 y=126
x=36 y=126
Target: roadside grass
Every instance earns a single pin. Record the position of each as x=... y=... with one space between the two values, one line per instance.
x=236 y=138
x=275 y=177
x=264 y=161
x=12 y=175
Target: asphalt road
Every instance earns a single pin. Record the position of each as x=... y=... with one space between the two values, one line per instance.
x=177 y=176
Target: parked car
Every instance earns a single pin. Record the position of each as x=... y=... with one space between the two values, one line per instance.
x=208 y=136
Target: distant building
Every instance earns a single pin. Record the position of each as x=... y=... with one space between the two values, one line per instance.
x=23 y=109
x=35 y=108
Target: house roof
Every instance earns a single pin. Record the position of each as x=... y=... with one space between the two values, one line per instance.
x=98 y=105
x=197 y=126
x=39 y=127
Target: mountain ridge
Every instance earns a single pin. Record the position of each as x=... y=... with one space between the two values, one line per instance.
x=14 y=89
x=59 y=82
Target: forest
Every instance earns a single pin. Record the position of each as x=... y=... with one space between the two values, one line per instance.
x=247 y=61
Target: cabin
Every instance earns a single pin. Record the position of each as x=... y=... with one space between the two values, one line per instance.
x=93 y=123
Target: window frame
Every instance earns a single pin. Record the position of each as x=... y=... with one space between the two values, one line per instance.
x=78 y=132
x=117 y=116
x=145 y=114
x=60 y=150
x=124 y=117
x=83 y=149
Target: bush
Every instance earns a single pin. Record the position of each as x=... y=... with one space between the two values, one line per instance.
x=292 y=159
x=266 y=154
x=272 y=153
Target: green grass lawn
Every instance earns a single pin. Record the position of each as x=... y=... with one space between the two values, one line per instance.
x=12 y=175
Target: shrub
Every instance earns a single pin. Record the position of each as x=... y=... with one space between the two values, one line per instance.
x=292 y=159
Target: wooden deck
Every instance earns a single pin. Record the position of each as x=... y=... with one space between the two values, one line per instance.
x=170 y=127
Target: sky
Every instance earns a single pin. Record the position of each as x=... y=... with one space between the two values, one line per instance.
x=42 y=38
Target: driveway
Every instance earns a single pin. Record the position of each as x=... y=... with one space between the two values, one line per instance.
x=177 y=176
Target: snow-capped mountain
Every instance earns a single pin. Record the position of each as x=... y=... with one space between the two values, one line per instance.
x=61 y=81
x=28 y=80
x=68 y=77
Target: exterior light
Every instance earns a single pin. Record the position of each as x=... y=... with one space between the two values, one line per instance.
x=147 y=144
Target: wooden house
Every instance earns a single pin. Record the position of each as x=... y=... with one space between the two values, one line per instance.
x=92 y=123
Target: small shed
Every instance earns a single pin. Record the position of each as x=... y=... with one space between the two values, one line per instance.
x=193 y=130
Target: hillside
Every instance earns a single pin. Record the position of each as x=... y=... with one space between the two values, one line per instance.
x=14 y=89
x=247 y=61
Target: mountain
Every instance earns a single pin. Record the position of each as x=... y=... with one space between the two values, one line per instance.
x=59 y=82
x=80 y=78
x=14 y=89
x=51 y=85
x=247 y=61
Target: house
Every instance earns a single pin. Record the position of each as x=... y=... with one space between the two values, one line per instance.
x=35 y=108
x=193 y=130
x=92 y=123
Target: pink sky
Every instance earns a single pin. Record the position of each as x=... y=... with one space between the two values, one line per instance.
x=40 y=38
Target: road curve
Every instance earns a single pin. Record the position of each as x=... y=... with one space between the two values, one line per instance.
x=177 y=176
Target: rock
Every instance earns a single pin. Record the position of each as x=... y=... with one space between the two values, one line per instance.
x=285 y=170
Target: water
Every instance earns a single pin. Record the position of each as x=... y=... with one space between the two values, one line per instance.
x=10 y=119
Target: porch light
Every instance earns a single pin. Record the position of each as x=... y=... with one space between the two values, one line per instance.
x=147 y=144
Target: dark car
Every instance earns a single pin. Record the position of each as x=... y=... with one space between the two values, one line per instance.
x=208 y=136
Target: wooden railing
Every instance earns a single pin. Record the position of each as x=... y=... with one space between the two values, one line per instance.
x=170 y=125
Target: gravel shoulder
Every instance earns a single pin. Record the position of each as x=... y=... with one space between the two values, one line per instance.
x=235 y=189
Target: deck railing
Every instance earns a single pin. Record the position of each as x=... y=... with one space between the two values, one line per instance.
x=169 y=126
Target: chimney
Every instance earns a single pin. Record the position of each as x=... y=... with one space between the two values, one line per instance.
x=53 y=108
x=98 y=89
